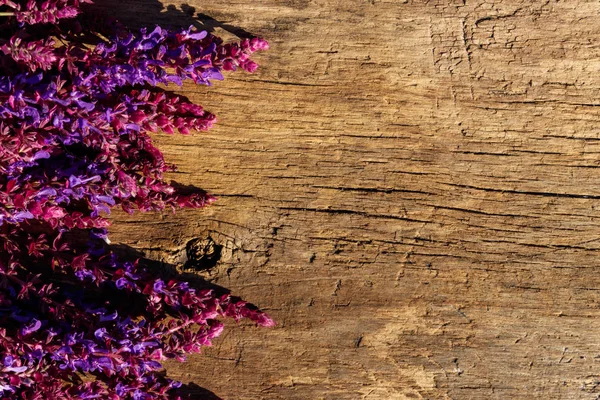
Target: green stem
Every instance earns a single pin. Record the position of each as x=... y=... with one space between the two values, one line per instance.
x=7 y=14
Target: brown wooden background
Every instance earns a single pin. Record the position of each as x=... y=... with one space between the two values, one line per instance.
x=411 y=188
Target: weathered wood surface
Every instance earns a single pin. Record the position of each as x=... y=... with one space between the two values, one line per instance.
x=410 y=188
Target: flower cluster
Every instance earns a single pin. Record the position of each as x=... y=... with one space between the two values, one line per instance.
x=74 y=123
x=67 y=312
x=41 y=12
x=76 y=113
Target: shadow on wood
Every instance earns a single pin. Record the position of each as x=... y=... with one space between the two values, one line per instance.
x=136 y=14
x=196 y=392
x=165 y=270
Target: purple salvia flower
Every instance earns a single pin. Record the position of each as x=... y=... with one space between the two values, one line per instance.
x=74 y=142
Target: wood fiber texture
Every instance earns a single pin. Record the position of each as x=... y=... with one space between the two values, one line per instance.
x=410 y=188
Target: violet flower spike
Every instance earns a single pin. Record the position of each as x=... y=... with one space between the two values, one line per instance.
x=75 y=125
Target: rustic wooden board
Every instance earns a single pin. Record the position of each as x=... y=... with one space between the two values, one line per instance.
x=410 y=188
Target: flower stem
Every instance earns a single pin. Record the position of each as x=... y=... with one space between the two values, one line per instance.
x=7 y=14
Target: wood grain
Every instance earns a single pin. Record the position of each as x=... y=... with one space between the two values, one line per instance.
x=410 y=188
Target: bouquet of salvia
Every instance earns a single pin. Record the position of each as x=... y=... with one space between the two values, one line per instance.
x=79 y=97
